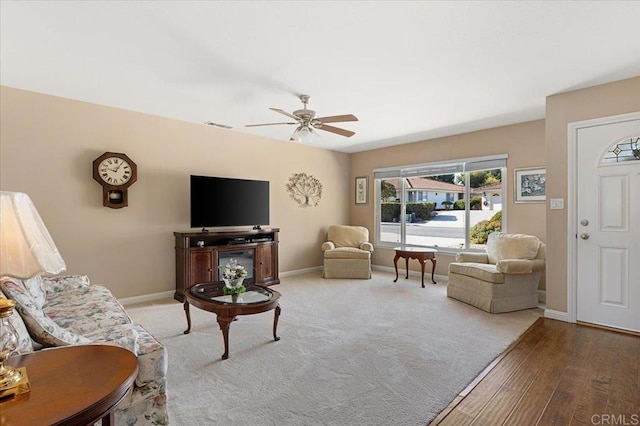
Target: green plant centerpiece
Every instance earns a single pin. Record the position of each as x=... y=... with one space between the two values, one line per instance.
x=233 y=275
x=234 y=291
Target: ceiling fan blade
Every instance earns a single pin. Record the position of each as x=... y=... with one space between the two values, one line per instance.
x=337 y=130
x=337 y=118
x=266 y=124
x=284 y=112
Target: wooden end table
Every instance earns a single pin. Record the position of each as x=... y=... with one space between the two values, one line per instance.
x=210 y=297
x=420 y=254
x=71 y=385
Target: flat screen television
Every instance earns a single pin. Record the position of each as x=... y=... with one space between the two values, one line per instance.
x=219 y=202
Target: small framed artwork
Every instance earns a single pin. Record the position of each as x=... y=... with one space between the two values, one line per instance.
x=362 y=189
x=530 y=185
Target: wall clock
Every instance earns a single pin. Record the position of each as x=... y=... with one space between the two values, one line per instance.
x=116 y=173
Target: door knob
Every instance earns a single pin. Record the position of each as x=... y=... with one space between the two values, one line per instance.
x=584 y=222
x=584 y=236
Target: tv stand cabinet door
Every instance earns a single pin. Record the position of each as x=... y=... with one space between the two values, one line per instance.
x=201 y=267
x=264 y=263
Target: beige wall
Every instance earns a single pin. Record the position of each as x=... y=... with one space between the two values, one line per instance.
x=47 y=145
x=524 y=143
x=599 y=101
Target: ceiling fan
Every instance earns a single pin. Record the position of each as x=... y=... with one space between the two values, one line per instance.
x=307 y=121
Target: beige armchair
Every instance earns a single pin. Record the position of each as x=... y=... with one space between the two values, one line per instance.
x=503 y=279
x=347 y=252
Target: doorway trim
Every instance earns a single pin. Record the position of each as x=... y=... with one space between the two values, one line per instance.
x=572 y=203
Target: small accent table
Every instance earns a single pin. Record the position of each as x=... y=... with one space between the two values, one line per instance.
x=420 y=254
x=210 y=297
x=72 y=385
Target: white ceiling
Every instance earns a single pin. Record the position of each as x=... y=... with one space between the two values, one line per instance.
x=409 y=71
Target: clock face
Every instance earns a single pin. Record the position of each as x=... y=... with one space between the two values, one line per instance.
x=114 y=171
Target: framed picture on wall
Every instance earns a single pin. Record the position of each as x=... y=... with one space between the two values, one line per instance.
x=362 y=189
x=530 y=185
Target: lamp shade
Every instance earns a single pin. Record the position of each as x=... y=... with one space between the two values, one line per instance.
x=303 y=134
x=26 y=247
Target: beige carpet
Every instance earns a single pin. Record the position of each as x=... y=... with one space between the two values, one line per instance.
x=352 y=352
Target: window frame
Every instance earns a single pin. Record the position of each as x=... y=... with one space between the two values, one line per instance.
x=463 y=165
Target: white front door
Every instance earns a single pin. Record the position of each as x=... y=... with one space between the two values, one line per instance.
x=608 y=224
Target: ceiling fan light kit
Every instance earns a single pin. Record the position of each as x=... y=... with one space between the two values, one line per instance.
x=307 y=121
x=303 y=134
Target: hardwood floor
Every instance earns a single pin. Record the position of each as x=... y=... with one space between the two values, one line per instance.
x=556 y=374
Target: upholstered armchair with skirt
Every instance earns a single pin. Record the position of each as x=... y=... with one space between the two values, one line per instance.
x=503 y=279
x=347 y=252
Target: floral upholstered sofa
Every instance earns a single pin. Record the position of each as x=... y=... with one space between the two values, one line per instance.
x=67 y=310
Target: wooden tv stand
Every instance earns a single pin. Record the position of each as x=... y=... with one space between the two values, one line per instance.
x=198 y=255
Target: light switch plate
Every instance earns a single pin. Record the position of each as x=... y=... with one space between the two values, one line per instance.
x=557 y=204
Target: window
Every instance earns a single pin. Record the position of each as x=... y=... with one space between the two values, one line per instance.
x=627 y=149
x=452 y=206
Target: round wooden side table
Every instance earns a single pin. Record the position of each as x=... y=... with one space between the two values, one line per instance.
x=71 y=385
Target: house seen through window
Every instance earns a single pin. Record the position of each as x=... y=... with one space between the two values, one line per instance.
x=450 y=206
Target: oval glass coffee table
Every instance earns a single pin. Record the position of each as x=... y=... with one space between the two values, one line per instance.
x=210 y=297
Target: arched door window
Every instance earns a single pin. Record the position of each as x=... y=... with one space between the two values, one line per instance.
x=628 y=149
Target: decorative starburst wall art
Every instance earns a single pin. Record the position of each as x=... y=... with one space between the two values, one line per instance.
x=304 y=189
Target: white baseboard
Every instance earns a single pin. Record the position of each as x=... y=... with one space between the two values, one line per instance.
x=556 y=315
x=168 y=294
x=439 y=278
x=542 y=297
x=427 y=274
x=146 y=298
x=299 y=271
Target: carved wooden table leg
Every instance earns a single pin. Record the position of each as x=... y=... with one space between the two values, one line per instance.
x=406 y=266
x=275 y=323
x=395 y=264
x=188 y=314
x=109 y=419
x=433 y=268
x=224 y=326
x=422 y=261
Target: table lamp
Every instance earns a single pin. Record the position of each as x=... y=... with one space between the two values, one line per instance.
x=26 y=250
